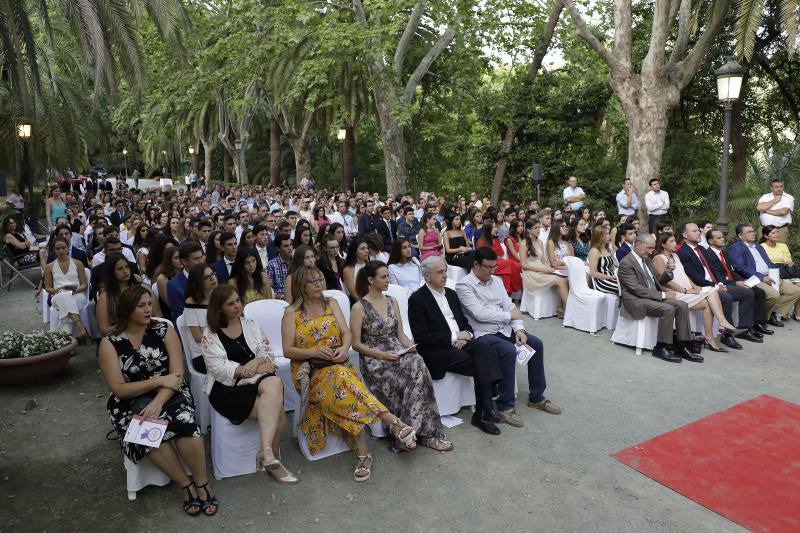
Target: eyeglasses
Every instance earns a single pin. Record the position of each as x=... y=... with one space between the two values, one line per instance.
x=317 y=281
x=487 y=267
x=210 y=276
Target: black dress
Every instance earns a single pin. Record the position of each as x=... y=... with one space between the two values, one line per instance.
x=23 y=258
x=464 y=260
x=235 y=403
x=150 y=360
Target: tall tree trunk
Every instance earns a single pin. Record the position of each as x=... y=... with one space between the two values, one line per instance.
x=208 y=151
x=227 y=161
x=302 y=158
x=348 y=152
x=647 y=116
x=274 y=153
x=542 y=46
x=394 y=145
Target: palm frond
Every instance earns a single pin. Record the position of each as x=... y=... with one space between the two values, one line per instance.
x=749 y=15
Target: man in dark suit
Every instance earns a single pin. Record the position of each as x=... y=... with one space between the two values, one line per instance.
x=643 y=296
x=117 y=217
x=222 y=267
x=626 y=233
x=720 y=265
x=387 y=228
x=446 y=342
x=700 y=272
x=751 y=262
x=191 y=255
x=369 y=221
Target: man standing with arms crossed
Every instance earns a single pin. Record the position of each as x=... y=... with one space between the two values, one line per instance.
x=776 y=209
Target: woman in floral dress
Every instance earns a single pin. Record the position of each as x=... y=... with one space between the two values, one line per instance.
x=333 y=398
x=392 y=369
x=142 y=364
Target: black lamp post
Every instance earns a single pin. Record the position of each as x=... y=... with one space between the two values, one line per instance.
x=25 y=131
x=125 y=157
x=729 y=84
x=341 y=135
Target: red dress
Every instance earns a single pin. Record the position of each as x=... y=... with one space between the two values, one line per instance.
x=508 y=269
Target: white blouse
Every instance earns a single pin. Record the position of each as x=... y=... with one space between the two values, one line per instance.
x=218 y=366
x=408 y=275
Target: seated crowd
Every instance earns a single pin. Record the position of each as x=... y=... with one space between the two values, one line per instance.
x=149 y=257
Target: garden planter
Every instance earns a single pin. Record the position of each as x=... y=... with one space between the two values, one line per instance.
x=25 y=370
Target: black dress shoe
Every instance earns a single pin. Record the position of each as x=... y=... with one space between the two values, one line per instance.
x=775 y=322
x=755 y=333
x=665 y=354
x=729 y=341
x=686 y=353
x=764 y=330
x=734 y=331
x=487 y=426
x=752 y=337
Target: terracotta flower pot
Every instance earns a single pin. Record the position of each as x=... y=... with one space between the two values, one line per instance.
x=24 y=370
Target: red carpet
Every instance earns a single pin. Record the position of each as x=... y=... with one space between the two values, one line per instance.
x=742 y=463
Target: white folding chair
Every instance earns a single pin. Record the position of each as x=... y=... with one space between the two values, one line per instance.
x=456 y=273
x=233 y=447
x=268 y=314
x=642 y=333
x=141 y=474
x=197 y=380
x=401 y=294
x=539 y=304
x=453 y=392
x=586 y=308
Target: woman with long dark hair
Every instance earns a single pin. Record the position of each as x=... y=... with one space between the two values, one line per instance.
x=304 y=255
x=508 y=269
x=117 y=276
x=202 y=281
x=249 y=278
x=404 y=268
x=357 y=257
x=214 y=247
x=457 y=246
x=579 y=238
x=330 y=262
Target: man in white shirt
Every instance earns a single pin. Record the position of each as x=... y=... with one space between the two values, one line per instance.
x=244 y=223
x=573 y=195
x=656 y=202
x=491 y=313
x=343 y=217
x=776 y=209
x=627 y=201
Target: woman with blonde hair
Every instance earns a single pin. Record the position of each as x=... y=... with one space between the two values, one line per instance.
x=602 y=263
x=333 y=398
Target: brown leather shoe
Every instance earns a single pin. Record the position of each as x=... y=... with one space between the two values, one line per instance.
x=547 y=406
x=511 y=417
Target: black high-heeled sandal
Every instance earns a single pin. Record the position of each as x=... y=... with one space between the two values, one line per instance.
x=193 y=501
x=210 y=501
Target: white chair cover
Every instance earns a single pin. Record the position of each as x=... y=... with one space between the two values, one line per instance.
x=268 y=315
x=202 y=407
x=453 y=392
x=233 y=448
x=643 y=334
x=141 y=474
x=401 y=294
x=456 y=273
x=586 y=308
x=539 y=304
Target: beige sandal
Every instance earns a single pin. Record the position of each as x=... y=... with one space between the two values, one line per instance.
x=363 y=467
x=436 y=443
x=407 y=441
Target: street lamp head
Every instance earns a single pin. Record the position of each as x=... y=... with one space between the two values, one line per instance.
x=237 y=144
x=729 y=80
x=164 y=152
x=124 y=151
x=191 y=150
x=24 y=131
x=341 y=134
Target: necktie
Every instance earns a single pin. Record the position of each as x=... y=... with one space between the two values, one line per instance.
x=648 y=276
x=389 y=227
x=728 y=273
x=705 y=264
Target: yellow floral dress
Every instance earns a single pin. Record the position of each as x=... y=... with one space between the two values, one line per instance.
x=338 y=402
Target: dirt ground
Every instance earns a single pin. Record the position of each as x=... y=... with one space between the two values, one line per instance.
x=58 y=472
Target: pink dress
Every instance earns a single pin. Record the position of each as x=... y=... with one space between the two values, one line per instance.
x=431 y=239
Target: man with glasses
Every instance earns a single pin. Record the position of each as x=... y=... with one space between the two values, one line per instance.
x=642 y=295
x=492 y=314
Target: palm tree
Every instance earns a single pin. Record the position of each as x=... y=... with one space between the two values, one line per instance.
x=104 y=33
x=750 y=16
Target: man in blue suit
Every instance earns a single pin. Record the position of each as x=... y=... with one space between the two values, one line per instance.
x=751 y=262
x=223 y=266
x=191 y=255
x=702 y=274
x=626 y=233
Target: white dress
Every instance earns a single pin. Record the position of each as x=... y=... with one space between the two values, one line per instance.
x=408 y=275
x=679 y=277
x=66 y=303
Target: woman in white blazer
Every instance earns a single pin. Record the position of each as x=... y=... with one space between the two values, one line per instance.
x=241 y=376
